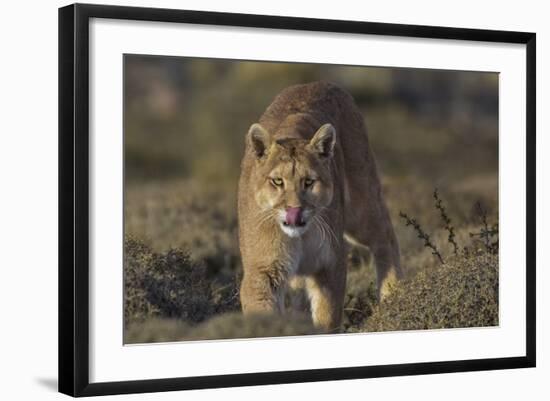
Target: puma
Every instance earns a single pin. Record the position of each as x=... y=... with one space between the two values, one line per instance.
x=309 y=177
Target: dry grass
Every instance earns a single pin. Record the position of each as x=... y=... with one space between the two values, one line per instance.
x=225 y=326
x=175 y=294
x=185 y=121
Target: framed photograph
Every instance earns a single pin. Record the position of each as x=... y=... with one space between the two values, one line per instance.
x=251 y=199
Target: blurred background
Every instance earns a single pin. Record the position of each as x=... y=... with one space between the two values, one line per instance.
x=184 y=126
x=182 y=113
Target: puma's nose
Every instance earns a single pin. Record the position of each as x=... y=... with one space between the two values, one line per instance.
x=294 y=216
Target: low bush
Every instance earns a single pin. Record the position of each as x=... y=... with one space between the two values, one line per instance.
x=463 y=292
x=451 y=281
x=171 y=285
x=459 y=291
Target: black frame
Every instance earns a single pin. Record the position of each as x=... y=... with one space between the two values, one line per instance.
x=74 y=191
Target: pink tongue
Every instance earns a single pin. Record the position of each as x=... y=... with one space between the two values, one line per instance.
x=293 y=216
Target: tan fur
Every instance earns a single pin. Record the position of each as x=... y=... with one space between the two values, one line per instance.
x=310 y=131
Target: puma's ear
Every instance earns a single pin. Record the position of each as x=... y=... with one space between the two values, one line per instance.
x=259 y=139
x=324 y=140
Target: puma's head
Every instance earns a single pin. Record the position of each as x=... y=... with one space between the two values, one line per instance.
x=291 y=179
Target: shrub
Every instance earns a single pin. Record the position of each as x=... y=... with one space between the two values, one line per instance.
x=170 y=296
x=171 y=285
x=463 y=292
x=459 y=291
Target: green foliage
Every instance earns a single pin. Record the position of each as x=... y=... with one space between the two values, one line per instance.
x=460 y=293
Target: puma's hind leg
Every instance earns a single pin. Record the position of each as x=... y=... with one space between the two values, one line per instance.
x=368 y=222
x=383 y=245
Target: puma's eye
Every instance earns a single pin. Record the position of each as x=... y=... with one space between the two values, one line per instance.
x=308 y=182
x=278 y=182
